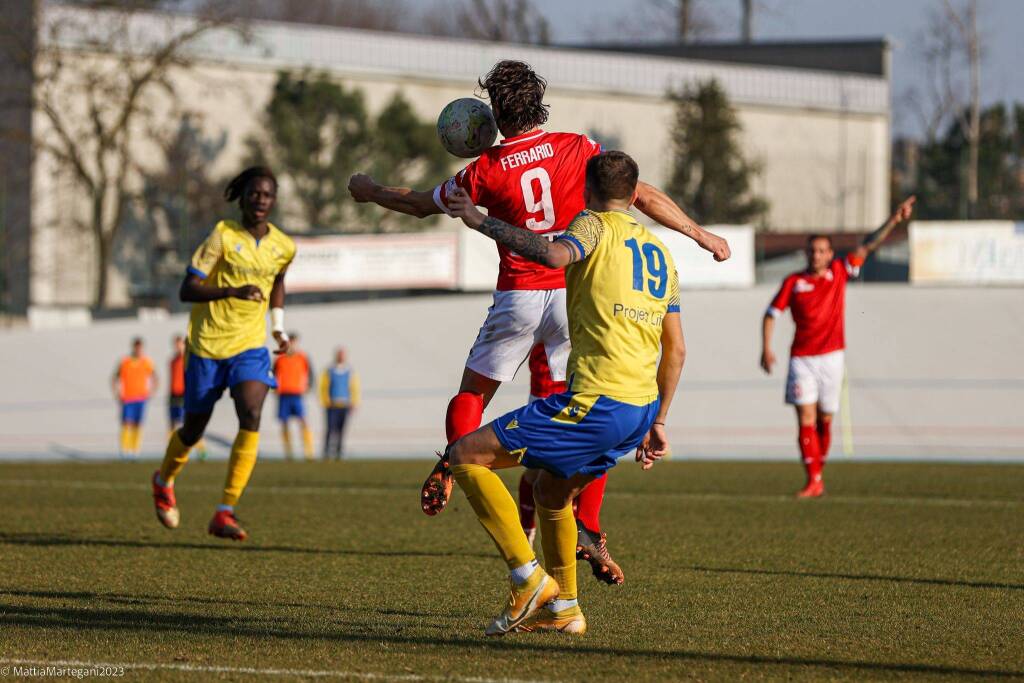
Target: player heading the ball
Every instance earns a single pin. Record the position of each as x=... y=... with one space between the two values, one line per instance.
x=623 y=374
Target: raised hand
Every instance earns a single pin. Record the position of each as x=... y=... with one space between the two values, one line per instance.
x=905 y=210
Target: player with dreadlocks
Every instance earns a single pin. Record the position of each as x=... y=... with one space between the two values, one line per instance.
x=234 y=275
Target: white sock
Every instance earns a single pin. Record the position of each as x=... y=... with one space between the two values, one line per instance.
x=522 y=573
x=225 y=508
x=559 y=605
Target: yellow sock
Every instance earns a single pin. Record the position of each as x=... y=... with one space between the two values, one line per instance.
x=558 y=539
x=240 y=465
x=175 y=458
x=497 y=512
x=286 y=437
x=126 y=438
x=307 y=442
x=137 y=439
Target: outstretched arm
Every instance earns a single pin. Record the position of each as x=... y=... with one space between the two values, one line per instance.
x=417 y=203
x=659 y=206
x=526 y=243
x=902 y=214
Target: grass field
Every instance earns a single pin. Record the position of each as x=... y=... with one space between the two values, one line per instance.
x=903 y=571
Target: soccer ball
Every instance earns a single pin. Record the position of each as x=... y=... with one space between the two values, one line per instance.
x=466 y=127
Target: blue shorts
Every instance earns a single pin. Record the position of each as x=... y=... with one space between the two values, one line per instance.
x=290 y=405
x=133 y=412
x=572 y=433
x=207 y=378
x=176 y=409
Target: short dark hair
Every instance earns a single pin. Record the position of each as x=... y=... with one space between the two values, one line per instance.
x=236 y=188
x=612 y=175
x=820 y=236
x=293 y=335
x=136 y=341
x=516 y=93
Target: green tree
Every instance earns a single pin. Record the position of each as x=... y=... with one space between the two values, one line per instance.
x=710 y=175
x=317 y=133
x=182 y=201
x=943 y=177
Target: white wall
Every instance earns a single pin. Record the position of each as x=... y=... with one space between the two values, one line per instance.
x=821 y=138
x=967 y=252
x=934 y=373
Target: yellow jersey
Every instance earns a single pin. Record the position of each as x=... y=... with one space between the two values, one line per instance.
x=617 y=297
x=232 y=257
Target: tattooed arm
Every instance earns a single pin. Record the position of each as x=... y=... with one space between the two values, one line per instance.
x=524 y=242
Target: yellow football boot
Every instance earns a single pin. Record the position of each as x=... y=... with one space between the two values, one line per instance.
x=569 y=620
x=524 y=601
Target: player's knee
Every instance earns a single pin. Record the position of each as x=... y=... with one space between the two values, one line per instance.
x=249 y=418
x=550 y=492
x=460 y=453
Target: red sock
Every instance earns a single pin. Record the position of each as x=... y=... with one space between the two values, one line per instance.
x=811 y=452
x=588 y=503
x=824 y=437
x=526 y=504
x=464 y=414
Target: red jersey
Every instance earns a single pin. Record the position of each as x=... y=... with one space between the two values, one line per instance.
x=534 y=181
x=819 y=307
x=541 y=384
x=177 y=374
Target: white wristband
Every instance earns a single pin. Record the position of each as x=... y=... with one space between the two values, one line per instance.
x=277 y=321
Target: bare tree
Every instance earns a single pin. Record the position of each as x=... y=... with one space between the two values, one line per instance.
x=692 y=19
x=747 y=21
x=952 y=54
x=379 y=15
x=506 y=21
x=104 y=91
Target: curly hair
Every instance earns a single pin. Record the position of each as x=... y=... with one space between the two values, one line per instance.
x=517 y=96
x=236 y=188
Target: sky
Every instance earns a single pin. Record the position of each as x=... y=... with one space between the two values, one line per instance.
x=1001 y=23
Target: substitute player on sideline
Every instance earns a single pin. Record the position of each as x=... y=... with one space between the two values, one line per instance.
x=623 y=308
x=234 y=274
x=817 y=297
x=532 y=179
x=133 y=382
x=339 y=395
x=176 y=392
x=294 y=375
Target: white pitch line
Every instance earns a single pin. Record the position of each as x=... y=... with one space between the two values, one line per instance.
x=710 y=497
x=252 y=671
